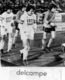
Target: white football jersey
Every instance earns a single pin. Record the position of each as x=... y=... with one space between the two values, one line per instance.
x=7 y=17
x=1 y=21
x=28 y=20
x=8 y=20
x=2 y=27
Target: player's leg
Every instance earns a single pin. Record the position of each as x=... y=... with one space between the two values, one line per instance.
x=15 y=34
x=31 y=43
x=50 y=40
x=44 y=40
x=24 y=52
x=14 y=38
x=10 y=36
x=9 y=42
x=31 y=39
x=2 y=42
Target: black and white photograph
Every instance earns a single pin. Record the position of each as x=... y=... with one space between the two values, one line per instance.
x=32 y=33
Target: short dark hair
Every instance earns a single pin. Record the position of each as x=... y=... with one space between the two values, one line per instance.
x=29 y=7
x=23 y=6
x=52 y=6
x=9 y=7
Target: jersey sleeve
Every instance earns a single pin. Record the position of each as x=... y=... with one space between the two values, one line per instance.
x=53 y=18
x=22 y=19
x=3 y=15
x=18 y=15
x=12 y=15
x=1 y=18
x=45 y=17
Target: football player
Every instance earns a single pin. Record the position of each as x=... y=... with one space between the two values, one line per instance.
x=2 y=34
x=8 y=19
x=28 y=27
x=16 y=22
x=49 y=27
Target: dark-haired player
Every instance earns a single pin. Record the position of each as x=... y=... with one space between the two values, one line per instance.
x=16 y=22
x=49 y=27
x=2 y=33
x=8 y=19
x=27 y=28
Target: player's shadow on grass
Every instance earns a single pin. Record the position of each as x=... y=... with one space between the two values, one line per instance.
x=58 y=60
x=35 y=56
x=5 y=63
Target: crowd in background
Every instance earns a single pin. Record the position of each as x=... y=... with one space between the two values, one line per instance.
x=16 y=4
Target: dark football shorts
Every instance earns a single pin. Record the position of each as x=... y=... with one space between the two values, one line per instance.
x=48 y=30
x=16 y=25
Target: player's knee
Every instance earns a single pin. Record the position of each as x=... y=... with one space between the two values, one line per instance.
x=44 y=39
x=10 y=40
x=53 y=37
x=16 y=35
x=24 y=41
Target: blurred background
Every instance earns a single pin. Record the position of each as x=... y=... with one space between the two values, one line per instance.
x=16 y=4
